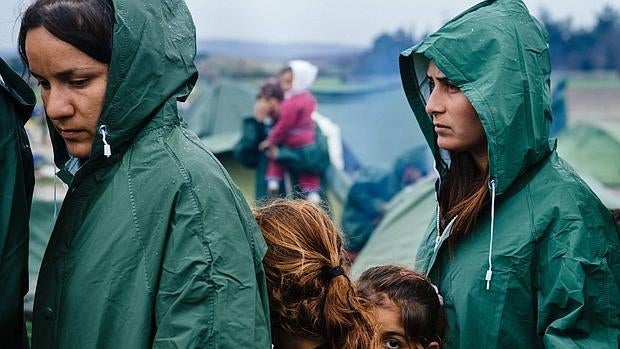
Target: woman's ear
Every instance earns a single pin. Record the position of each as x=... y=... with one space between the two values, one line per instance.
x=434 y=345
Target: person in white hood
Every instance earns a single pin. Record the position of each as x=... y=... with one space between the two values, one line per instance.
x=294 y=126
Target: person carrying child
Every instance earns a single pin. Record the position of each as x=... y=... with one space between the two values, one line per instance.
x=294 y=126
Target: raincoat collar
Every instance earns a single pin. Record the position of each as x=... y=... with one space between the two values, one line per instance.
x=23 y=96
x=152 y=68
x=476 y=50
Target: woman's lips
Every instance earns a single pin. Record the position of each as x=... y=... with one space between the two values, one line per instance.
x=441 y=128
x=71 y=134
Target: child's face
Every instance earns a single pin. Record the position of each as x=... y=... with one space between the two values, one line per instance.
x=392 y=330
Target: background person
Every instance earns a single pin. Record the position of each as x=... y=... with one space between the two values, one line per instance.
x=524 y=253
x=313 y=302
x=313 y=157
x=154 y=245
x=294 y=127
x=371 y=191
x=16 y=104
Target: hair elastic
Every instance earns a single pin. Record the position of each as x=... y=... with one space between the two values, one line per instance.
x=333 y=272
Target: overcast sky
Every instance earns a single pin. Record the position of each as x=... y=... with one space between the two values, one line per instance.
x=354 y=22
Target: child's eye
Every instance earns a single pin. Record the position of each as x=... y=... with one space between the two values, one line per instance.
x=392 y=343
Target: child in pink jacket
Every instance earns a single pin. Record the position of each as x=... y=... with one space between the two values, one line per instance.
x=294 y=126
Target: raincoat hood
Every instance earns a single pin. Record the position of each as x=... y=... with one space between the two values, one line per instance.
x=304 y=74
x=476 y=50
x=152 y=67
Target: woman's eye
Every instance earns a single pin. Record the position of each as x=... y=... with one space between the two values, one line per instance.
x=431 y=85
x=453 y=88
x=78 y=82
x=391 y=343
x=44 y=84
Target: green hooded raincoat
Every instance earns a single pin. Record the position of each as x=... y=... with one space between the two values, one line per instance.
x=553 y=250
x=154 y=246
x=16 y=103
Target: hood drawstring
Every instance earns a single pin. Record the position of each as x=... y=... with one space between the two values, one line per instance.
x=107 y=150
x=55 y=202
x=492 y=186
x=438 y=237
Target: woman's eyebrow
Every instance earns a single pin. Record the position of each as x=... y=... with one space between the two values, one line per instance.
x=441 y=79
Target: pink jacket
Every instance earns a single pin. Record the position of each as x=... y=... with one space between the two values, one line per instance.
x=295 y=127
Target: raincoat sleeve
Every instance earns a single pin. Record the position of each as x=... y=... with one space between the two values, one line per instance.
x=16 y=103
x=211 y=290
x=578 y=295
x=312 y=158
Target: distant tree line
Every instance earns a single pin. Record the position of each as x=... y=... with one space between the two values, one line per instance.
x=382 y=58
x=595 y=48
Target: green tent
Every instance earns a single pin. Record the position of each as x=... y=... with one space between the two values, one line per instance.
x=593 y=151
x=397 y=237
x=215 y=113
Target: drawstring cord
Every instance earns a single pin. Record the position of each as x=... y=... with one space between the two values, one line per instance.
x=55 y=201
x=489 y=275
x=438 y=238
x=107 y=150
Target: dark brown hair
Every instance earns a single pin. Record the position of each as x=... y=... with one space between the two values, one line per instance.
x=285 y=70
x=85 y=24
x=615 y=213
x=421 y=311
x=464 y=192
x=310 y=295
x=271 y=89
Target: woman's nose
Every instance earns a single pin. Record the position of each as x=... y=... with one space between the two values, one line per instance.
x=58 y=104
x=433 y=105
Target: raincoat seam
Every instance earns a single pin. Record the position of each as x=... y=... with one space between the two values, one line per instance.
x=189 y=183
x=136 y=223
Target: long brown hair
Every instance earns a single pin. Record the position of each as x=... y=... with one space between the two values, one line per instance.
x=310 y=295
x=464 y=192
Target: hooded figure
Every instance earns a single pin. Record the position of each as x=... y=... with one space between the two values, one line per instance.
x=304 y=74
x=540 y=265
x=154 y=245
x=16 y=103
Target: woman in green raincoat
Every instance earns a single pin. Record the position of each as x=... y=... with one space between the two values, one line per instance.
x=16 y=103
x=154 y=246
x=524 y=253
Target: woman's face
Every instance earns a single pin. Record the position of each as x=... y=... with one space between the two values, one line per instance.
x=73 y=87
x=456 y=122
x=266 y=107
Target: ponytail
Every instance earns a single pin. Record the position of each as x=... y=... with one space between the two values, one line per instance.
x=311 y=295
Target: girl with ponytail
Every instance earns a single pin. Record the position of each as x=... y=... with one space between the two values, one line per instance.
x=313 y=302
